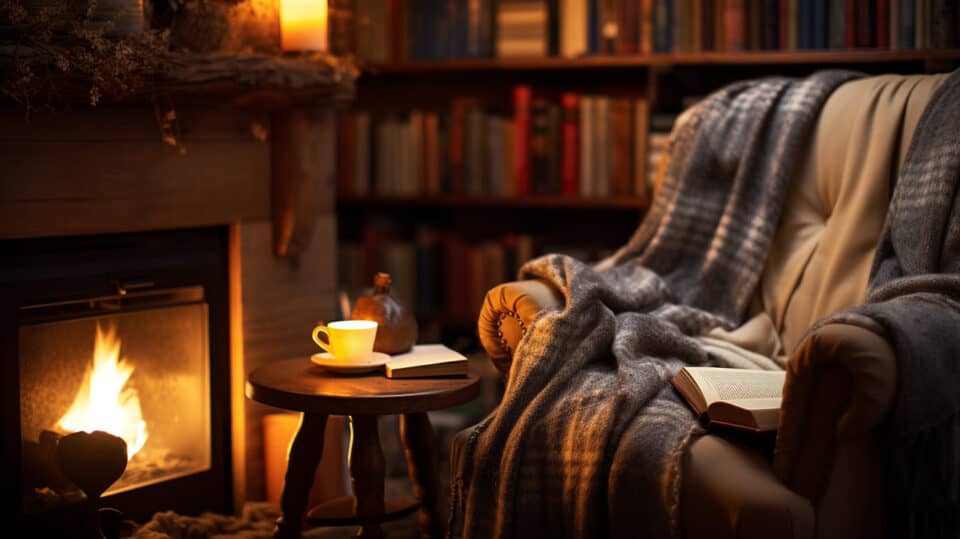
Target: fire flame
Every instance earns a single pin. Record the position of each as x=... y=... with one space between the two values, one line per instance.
x=103 y=402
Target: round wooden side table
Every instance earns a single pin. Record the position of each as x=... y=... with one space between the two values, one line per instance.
x=297 y=384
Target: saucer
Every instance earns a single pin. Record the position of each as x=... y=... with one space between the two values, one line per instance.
x=369 y=363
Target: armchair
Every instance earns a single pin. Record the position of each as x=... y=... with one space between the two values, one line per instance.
x=825 y=476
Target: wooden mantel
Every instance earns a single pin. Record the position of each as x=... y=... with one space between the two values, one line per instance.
x=85 y=171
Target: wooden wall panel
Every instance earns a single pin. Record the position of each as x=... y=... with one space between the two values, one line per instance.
x=281 y=302
x=89 y=172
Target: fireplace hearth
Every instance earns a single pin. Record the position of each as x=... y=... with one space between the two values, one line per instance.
x=127 y=334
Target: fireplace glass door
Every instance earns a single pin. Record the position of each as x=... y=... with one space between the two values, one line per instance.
x=135 y=365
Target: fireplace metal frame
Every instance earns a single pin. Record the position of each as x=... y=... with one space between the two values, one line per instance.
x=56 y=273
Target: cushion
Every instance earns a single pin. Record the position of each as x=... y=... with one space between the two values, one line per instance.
x=820 y=260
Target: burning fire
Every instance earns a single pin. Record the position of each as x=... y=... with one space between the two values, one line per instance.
x=103 y=402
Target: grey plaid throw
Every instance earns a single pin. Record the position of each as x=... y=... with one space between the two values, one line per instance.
x=914 y=300
x=587 y=439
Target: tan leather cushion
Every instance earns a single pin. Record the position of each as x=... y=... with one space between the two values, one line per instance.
x=820 y=259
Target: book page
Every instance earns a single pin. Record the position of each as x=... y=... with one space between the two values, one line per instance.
x=730 y=384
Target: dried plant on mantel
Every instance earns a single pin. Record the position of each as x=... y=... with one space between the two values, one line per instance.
x=50 y=52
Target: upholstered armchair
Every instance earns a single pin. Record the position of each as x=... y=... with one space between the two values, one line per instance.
x=824 y=476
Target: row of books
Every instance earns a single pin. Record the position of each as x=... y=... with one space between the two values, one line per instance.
x=399 y=30
x=439 y=272
x=580 y=145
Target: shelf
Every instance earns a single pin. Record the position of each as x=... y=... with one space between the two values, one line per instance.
x=253 y=79
x=837 y=57
x=259 y=79
x=551 y=201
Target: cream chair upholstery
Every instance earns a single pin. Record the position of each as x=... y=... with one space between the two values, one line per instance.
x=825 y=477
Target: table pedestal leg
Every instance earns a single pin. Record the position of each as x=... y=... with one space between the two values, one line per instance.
x=366 y=469
x=417 y=436
x=305 y=452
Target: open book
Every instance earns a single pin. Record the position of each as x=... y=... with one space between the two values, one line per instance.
x=739 y=398
x=426 y=360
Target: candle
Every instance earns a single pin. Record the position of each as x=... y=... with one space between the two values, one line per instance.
x=303 y=25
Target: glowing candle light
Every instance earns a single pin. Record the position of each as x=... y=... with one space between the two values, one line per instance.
x=303 y=25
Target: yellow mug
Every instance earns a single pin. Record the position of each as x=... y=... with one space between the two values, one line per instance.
x=347 y=340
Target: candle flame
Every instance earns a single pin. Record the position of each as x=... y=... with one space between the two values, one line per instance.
x=104 y=402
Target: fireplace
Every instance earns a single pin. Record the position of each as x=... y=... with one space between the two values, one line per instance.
x=126 y=334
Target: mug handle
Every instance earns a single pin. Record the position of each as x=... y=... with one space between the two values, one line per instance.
x=316 y=338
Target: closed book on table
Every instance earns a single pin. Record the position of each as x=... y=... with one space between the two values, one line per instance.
x=427 y=360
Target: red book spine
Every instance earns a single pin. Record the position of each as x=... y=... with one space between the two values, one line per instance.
x=850 y=22
x=570 y=154
x=458 y=138
x=883 y=24
x=522 y=96
x=345 y=155
x=395 y=16
x=734 y=25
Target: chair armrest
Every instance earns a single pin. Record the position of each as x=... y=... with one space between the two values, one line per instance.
x=840 y=386
x=508 y=310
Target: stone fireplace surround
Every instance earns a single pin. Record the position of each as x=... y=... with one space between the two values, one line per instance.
x=105 y=171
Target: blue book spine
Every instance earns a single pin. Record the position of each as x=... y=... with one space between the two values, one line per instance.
x=662 y=38
x=907 y=23
x=421 y=27
x=593 y=26
x=447 y=40
x=771 y=25
x=805 y=16
x=820 y=24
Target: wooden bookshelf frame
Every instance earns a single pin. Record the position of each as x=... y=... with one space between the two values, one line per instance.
x=826 y=57
x=486 y=201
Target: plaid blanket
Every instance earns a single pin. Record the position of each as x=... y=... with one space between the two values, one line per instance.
x=914 y=300
x=588 y=437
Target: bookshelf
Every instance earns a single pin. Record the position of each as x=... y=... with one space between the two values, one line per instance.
x=606 y=62
x=482 y=237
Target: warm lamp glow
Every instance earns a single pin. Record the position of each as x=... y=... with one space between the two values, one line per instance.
x=303 y=25
x=102 y=403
